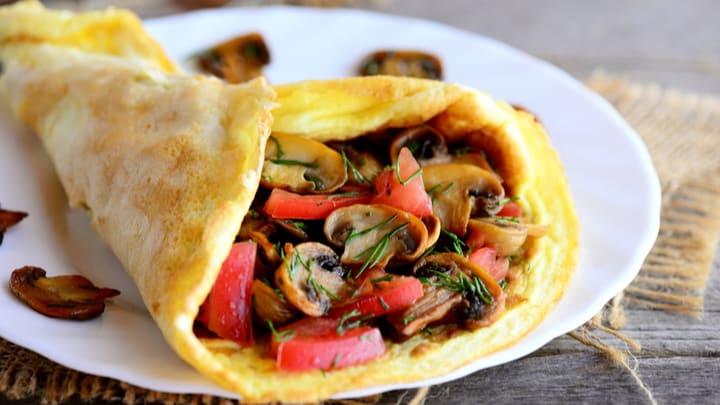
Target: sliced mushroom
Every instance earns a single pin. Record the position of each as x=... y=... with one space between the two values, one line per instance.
x=68 y=297
x=434 y=227
x=270 y=305
x=435 y=305
x=482 y=298
x=402 y=63
x=505 y=236
x=459 y=191
x=372 y=235
x=267 y=249
x=425 y=143
x=302 y=165
x=311 y=277
x=254 y=221
x=237 y=60
x=294 y=228
x=8 y=219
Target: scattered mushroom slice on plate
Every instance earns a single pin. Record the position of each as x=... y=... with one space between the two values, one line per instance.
x=68 y=297
x=311 y=277
x=402 y=63
x=459 y=191
x=238 y=60
x=374 y=234
x=302 y=165
x=8 y=219
x=425 y=143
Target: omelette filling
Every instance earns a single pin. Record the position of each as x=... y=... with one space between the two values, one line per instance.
x=381 y=238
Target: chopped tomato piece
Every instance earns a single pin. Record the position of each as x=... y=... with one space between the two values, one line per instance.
x=287 y=205
x=387 y=294
x=486 y=257
x=227 y=311
x=475 y=240
x=510 y=209
x=315 y=344
x=409 y=196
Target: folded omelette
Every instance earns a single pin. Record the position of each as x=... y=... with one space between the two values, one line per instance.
x=172 y=168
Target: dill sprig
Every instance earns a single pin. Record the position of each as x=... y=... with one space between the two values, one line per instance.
x=458 y=245
x=345 y=324
x=375 y=253
x=507 y=219
x=354 y=234
x=357 y=175
x=418 y=172
x=463 y=285
x=291 y=162
x=386 y=277
x=319 y=288
x=507 y=200
x=278 y=149
x=281 y=336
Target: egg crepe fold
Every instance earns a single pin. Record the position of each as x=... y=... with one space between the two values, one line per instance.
x=167 y=166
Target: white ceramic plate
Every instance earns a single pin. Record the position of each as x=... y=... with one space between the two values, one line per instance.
x=612 y=180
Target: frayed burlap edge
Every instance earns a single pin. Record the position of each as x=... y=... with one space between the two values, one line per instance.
x=681 y=131
x=674 y=125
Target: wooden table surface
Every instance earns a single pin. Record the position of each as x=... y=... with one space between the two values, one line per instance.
x=665 y=41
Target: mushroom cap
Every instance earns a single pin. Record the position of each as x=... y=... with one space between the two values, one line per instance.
x=310 y=277
x=302 y=165
x=425 y=143
x=483 y=298
x=505 y=236
x=375 y=234
x=459 y=190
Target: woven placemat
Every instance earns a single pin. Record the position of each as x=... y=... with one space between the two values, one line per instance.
x=681 y=131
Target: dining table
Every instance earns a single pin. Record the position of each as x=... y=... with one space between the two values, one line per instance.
x=656 y=354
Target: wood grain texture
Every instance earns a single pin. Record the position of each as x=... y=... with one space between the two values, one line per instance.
x=665 y=41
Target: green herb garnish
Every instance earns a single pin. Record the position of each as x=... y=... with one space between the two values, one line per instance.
x=375 y=253
x=462 y=151
x=507 y=219
x=463 y=285
x=387 y=277
x=354 y=234
x=291 y=162
x=335 y=361
x=281 y=336
x=344 y=325
x=345 y=194
x=458 y=245
x=383 y=304
x=319 y=288
x=278 y=149
x=507 y=200
x=357 y=175
x=418 y=172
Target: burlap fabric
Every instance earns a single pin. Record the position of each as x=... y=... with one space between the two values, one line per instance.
x=681 y=131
